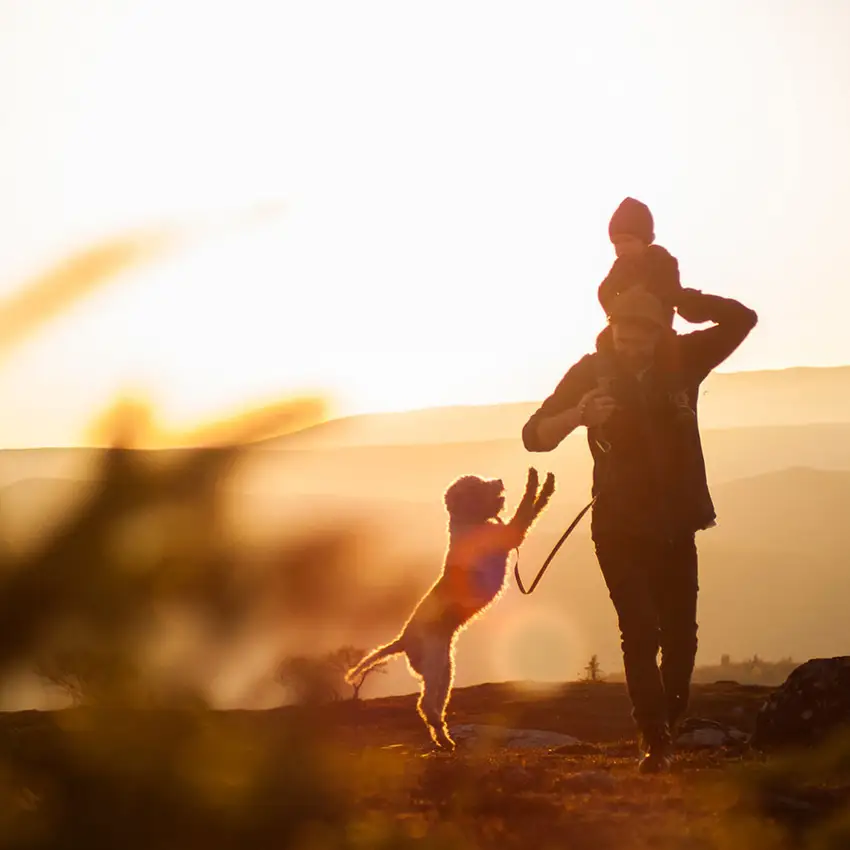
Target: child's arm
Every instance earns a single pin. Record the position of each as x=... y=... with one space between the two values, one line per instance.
x=704 y=350
x=656 y=269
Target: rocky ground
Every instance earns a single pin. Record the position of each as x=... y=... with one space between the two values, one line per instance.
x=597 y=713
x=534 y=769
x=557 y=769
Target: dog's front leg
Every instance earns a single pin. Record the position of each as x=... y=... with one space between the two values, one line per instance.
x=544 y=495
x=530 y=508
x=524 y=514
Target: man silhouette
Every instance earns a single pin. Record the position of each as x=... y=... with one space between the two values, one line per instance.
x=637 y=397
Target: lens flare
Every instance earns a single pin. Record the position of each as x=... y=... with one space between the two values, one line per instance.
x=538 y=645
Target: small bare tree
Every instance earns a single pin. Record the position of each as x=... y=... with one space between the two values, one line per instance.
x=310 y=679
x=344 y=658
x=85 y=673
x=593 y=670
x=321 y=678
x=63 y=672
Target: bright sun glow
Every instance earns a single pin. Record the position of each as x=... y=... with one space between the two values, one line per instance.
x=444 y=176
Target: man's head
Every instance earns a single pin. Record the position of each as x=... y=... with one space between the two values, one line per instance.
x=631 y=228
x=638 y=321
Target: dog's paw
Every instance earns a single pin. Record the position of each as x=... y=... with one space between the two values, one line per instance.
x=444 y=742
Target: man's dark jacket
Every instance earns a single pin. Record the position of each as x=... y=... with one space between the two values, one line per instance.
x=651 y=482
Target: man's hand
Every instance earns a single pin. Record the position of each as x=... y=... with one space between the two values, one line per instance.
x=596 y=407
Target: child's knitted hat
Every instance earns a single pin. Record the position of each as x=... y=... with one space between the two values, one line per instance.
x=632 y=218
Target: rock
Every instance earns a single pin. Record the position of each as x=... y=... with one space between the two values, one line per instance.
x=513 y=739
x=813 y=702
x=699 y=733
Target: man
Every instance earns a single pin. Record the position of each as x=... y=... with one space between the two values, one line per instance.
x=637 y=397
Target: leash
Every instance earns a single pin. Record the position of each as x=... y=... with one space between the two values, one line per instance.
x=552 y=554
x=605 y=446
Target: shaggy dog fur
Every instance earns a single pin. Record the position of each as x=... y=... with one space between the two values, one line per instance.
x=473 y=576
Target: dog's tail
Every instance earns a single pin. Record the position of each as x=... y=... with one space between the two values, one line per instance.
x=374 y=658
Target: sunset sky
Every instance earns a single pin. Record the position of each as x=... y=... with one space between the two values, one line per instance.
x=441 y=175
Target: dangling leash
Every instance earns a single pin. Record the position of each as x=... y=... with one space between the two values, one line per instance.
x=605 y=447
x=552 y=554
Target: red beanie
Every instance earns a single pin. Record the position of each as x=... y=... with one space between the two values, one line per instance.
x=632 y=218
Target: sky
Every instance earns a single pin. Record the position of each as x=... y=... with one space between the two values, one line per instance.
x=437 y=180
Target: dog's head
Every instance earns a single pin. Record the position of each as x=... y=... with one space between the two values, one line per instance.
x=471 y=499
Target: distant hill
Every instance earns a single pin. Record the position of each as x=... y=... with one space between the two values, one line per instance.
x=799 y=509
x=774 y=577
x=420 y=473
x=799 y=396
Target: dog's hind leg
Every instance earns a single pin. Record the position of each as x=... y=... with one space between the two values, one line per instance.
x=437 y=675
x=376 y=657
x=440 y=702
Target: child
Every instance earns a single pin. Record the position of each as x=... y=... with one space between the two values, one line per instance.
x=639 y=261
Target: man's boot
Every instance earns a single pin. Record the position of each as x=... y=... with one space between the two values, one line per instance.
x=676 y=711
x=656 y=752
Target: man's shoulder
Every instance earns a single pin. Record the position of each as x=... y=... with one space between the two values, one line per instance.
x=582 y=372
x=587 y=363
x=691 y=347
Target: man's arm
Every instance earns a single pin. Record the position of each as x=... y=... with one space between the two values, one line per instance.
x=559 y=414
x=704 y=350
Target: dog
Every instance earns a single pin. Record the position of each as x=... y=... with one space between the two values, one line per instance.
x=472 y=578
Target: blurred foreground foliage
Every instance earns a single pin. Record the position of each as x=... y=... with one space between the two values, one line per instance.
x=797 y=798
x=143 y=760
x=140 y=600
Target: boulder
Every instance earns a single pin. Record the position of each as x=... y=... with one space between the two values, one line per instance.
x=697 y=733
x=812 y=704
x=470 y=734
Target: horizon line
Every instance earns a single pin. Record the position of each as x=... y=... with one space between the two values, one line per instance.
x=402 y=411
